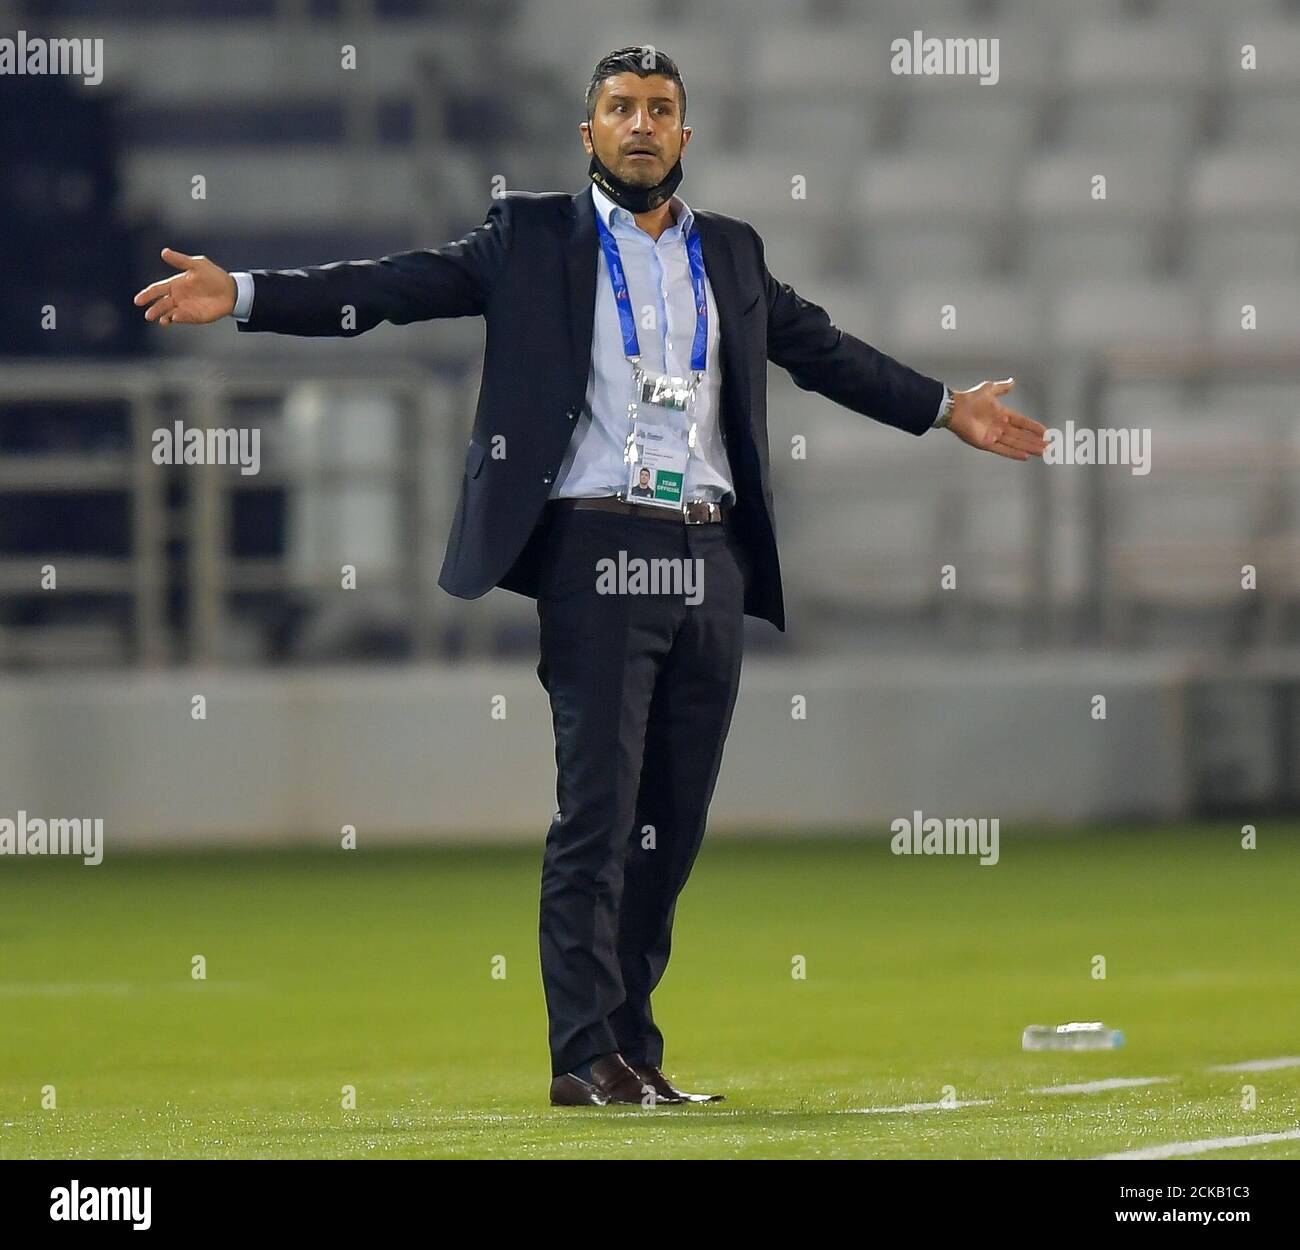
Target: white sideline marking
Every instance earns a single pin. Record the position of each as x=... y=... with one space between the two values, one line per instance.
x=1096 y=1087
x=20 y=989
x=917 y=1106
x=1259 y=1065
x=1199 y=1147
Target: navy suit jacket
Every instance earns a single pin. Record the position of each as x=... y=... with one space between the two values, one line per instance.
x=530 y=270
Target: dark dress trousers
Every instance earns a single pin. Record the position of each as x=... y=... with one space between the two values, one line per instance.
x=641 y=686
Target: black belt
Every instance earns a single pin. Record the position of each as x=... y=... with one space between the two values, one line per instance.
x=696 y=512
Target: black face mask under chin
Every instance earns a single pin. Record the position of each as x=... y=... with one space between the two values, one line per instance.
x=629 y=196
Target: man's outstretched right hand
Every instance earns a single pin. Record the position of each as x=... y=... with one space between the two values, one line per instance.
x=200 y=293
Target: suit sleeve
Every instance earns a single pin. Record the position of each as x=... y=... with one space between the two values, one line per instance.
x=454 y=280
x=821 y=357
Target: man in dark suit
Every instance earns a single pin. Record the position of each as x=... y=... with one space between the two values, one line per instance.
x=616 y=318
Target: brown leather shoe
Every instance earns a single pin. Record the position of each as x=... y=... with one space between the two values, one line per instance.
x=613 y=1082
x=664 y=1089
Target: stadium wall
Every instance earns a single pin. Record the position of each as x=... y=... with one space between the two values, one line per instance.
x=465 y=753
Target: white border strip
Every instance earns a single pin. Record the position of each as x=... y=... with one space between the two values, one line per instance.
x=917 y=1106
x=1174 y=1149
x=1097 y=1087
x=1259 y=1065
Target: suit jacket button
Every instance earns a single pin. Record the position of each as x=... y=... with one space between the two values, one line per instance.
x=572 y=414
x=546 y=480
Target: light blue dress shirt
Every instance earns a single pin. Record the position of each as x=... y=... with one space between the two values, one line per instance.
x=663 y=303
x=243 y=296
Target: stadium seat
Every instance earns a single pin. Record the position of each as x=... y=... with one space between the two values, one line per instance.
x=255 y=186
x=1261 y=105
x=1245 y=210
x=993 y=124
x=915 y=226
x=1095 y=314
x=1277 y=313
x=1070 y=233
x=992 y=317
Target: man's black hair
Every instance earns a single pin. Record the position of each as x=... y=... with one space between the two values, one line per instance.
x=643 y=60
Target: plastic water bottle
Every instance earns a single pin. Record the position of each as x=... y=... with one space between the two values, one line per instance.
x=1089 y=1035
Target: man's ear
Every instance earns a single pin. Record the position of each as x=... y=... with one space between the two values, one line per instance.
x=585 y=128
x=686 y=136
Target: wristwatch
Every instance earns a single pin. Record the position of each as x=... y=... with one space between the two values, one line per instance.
x=945 y=411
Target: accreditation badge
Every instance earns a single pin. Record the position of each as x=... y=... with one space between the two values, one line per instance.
x=664 y=390
x=657 y=459
x=657 y=449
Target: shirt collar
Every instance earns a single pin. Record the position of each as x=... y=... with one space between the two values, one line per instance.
x=607 y=210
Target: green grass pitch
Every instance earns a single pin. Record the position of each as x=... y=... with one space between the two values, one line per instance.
x=373 y=969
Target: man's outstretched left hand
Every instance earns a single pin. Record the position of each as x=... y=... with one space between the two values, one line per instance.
x=980 y=418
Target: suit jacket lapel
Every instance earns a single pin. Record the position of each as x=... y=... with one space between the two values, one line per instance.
x=580 y=264
x=720 y=267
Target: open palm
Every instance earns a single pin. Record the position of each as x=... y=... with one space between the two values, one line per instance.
x=980 y=418
x=200 y=293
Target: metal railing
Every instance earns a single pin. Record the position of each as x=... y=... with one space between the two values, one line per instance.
x=181 y=517
x=1194 y=567
x=423 y=478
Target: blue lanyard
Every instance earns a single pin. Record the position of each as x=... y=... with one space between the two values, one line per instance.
x=623 y=297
